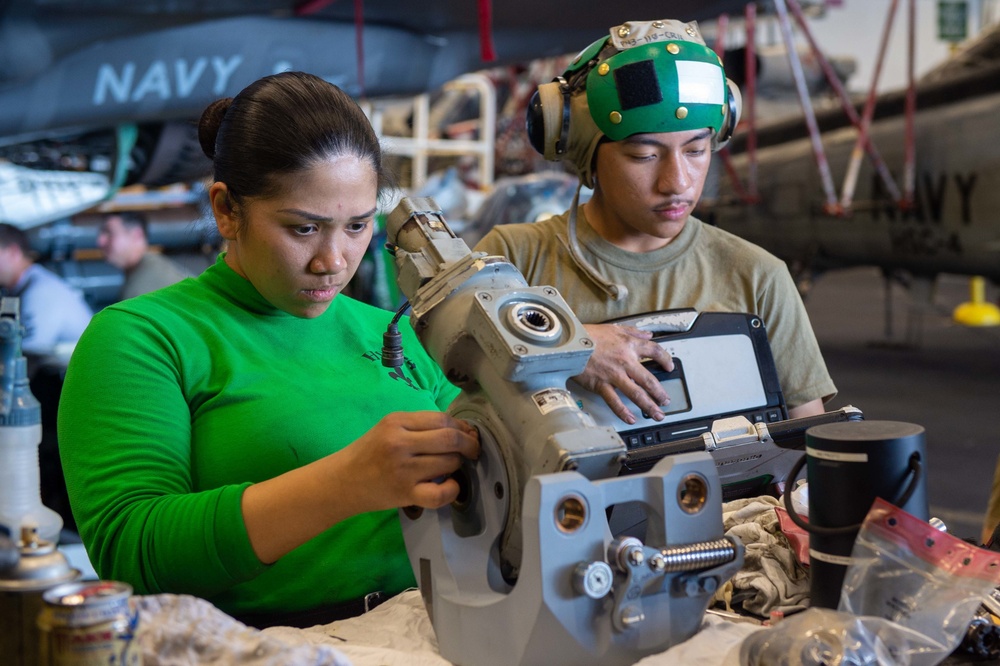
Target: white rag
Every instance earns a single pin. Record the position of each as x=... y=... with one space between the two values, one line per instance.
x=771 y=577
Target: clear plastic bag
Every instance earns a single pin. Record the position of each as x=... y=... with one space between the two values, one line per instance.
x=930 y=582
x=909 y=596
x=820 y=637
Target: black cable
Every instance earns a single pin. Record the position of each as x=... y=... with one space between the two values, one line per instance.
x=392 y=340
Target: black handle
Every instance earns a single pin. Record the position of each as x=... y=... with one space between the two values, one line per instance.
x=914 y=468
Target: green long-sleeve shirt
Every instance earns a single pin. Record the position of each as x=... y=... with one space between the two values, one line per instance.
x=177 y=400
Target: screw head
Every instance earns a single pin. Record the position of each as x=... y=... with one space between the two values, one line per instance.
x=593 y=579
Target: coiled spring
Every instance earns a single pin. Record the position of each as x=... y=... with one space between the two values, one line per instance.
x=697 y=556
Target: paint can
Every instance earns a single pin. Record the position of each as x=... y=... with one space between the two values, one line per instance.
x=89 y=623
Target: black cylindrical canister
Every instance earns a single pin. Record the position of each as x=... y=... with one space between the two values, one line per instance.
x=848 y=465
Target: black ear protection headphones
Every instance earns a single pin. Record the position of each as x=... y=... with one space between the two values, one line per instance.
x=734 y=106
x=557 y=92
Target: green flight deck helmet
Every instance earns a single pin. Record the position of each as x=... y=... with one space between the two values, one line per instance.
x=645 y=77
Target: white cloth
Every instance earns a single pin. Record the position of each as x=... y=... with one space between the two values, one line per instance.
x=398 y=632
x=717 y=643
x=771 y=577
x=180 y=629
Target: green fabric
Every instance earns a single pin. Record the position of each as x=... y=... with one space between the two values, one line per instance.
x=704 y=268
x=177 y=400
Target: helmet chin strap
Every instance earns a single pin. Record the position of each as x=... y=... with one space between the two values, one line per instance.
x=615 y=292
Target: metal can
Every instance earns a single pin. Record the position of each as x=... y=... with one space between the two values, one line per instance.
x=89 y=623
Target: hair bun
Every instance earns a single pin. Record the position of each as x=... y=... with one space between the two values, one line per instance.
x=208 y=126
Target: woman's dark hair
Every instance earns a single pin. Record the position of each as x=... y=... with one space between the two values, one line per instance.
x=281 y=124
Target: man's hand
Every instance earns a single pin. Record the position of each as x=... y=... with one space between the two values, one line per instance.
x=617 y=364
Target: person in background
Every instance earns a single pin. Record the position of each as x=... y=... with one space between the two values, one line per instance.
x=637 y=115
x=53 y=313
x=124 y=240
x=235 y=436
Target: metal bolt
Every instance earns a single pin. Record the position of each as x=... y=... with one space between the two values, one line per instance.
x=549 y=291
x=624 y=31
x=632 y=615
x=520 y=349
x=658 y=563
x=620 y=552
x=657 y=24
x=673 y=49
x=586 y=342
x=486 y=297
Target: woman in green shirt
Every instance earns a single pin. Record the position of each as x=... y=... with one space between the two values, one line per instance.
x=234 y=436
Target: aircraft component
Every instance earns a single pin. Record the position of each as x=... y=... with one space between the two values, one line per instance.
x=523 y=567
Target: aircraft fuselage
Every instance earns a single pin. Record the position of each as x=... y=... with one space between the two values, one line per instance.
x=952 y=225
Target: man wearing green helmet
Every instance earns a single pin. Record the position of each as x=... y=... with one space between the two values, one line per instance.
x=638 y=115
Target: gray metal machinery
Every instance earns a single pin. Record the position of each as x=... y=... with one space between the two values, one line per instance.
x=522 y=568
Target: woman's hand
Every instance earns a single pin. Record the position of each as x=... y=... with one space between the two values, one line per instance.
x=617 y=364
x=402 y=461
x=406 y=458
